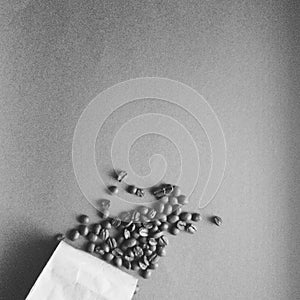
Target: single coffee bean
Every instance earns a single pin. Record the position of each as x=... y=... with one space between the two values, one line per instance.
x=157 y=234
x=161 y=217
x=182 y=199
x=121 y=175
x=91 y=247
x=131 y=242
x=164 y=200
x=148 y=252
x=185 y=216
x=153 y=266
x=163 y=241
x=106 y=224
x=145 y=260
x=83 y=230
x=92 y=237
x=112 y=243
x=126 y=264
x=131 y=227
x=143 y=210
x=143 y=232
x=84 y=219
x=196 y=217
x=176 y=191
x=129 y=253
x=181 y=225
x=117 y=261
x=148 y=225
x=154 y=229
x=152 y=248
x=135 y=235
x=161 y=251
x=108 y=257
x=191 y=228
x=126 y=233
x=156 y=222
x=152 y=213
x=159 y=206
x=104 y=213
x=174 y=230
x=152 y=242
x=105 y=247
x=132 y=189
x=135 y=266
x=113 y=189
x=125 y=216
x=173 y=200
x=120 y=240
x=116 y=222
x=144 y=219
x=164 y=226
x=104 y=234
x=104 y=204
x=60 y=237
x=140 y=192
x=99 y=250
x=135 y=216
x=217 y=220
x=172 y=218
x=153 y=259
x=117 y=252
x=96 y=228
x=142 y=265
x=146 y=273
x=138 y=251
x=168 y=209
x=177 y=209
x=143 y=240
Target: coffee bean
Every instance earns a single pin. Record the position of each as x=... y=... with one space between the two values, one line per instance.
x=125 y=216
x=152 y=213
x=185 y=216
x=120 y=240
x=96 y=228
x=99 y=250
x=131 y=227
x=152 y=242
x=105 y=247
x=146 y=273
x=164 y=226
x=143 y=240
x=117 y=261
x=130 y=243
x=104 y=213
x=173 y=200
x=142 y=265
x=164 y=200
x=157 y=234
x=121 y=175
x=126 y=264
x=117 y=252
x=92 y=237
x=191 y=228
x=148 y=225
x=156 y=222
x=176 y=191
x=143 y=210
x=182 y=199
x=181 y=225
x=217 y=220
x=177 y=209
x=104 y=234
x=154 y=229
x=138 y=251
x=83 y=230
x=135 y=266
x=174 y=230
x=159 y=206
x=126 y=233
x=91 y=247
x=152 y=248
x=153 y=266
x=129 y=253
x=135 y=235
x=196 y=217
x=144 y=219
x=168 y=209
x=136 y=216
x=154 y=258
x=113 y=189
x=116 y=222
x=140 y=192
x=161 y=217
x=148 y=252
x=163 y=241
x=145 y=260
x=84 y=219
x=132 y=189
x=106 y=224
x=112 y=243
x=108 y=257
x=161 y=251
x=104 y=204
x=172 y=219
x=143 y=232
x=60 y=237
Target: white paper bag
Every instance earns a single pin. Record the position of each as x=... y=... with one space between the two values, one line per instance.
x=72 y=274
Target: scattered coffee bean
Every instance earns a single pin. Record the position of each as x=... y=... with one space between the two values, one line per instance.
x=148 y=252
x=132 y=189
x=140 y=192
x=143 y=232
x=152 y=248
x=154 y=229
x=146 y=273
x=154 y=258
x=177 y=209
x=105 y=247
x=164 y=226
x=138 y=251
x=142 y=265
x=163 y=241
x=83 y=230
x=91 y=247
x=104 y=234
x=144 y=219
x=126 y=233
x=152 y=242
x=181 y=225
x=135 y=266
x=84 y=219
x=60 y=237
x=172 y=218
x=191 y=228
x=92 y=237
x=121 y=175
x=164 y=200
x=74 y=235
x=185 y=216
x=131 y=227
x=112 y=243
x=125 y=216
x=161 y=251
x=152 y=213
x=157 y=234
x=135 y=216
x=108 y=257
x=116 y=222
x=131 y=242
x=104 y=213
x=161 y=217
x=153 y=266
x=176 y=191
x=174 y=230
x=113 y=189
x=117 y=261
x=196 y=217
x=99 y=250
x=96 y=228
x=126 y=264
x=159 y=206
x=104 y=204
x=182 y=199
x=143 y=210
x=168 y=209
x=173 y=200
x=217 y=220
x=117 y=252
x=106 y=224
x=156 y=222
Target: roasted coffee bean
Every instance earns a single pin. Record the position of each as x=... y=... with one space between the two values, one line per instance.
x=117 y=252
x=164 y=226
x=191 y=228
x=120 y=240
x=106 y=224
x=182 y=199
x=153 y=266
x=217 y=220
x=91 y=247
x=121 y=175
x=112 y=243
x=138 y=251
x=99 y=250
x=131 y=227
x=181 y=225
x=126 y=233
x=108 y=257
x=148 y=252
x=168 y=209
x=173 y=200
x=146 y=273
x=135 y=266
x=135 y=235
x=174 y=230
x=159 y=206
x=157 y=234
x=143 y=240
x=105 y=247
x=60 y=237
x=104 y=204
x=163 y=241
x=152 y=242
x=132 y=189
x=125 y=216
x=143 y=210
x=143 y=232
x=92 y=237
x=104 y=213
x=161 y=217
x=126 y=264
x=154 y=258
x=148 y=225
x=131 y=242
x=117 y=261
x=113 y=189
x=164 y=200
x=154 y=229
x=127 y=224
x=161 y=251
x=172 y=219
x=129 y=253
x=135 y=216
x=156 y=222
x=177 y=209
x=84 y=219
x=185 y=216
x=96 y=228
x=144 y=219
x=83 y=230
x=176 y=191
x=142 y=265
x=152 y=247
x=104 y=234
x=116 y=222
x=145 y=260
x=152 y=213
x=196 y=217
x=140 y=192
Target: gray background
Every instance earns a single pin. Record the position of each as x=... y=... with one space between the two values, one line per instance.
x=56 y=56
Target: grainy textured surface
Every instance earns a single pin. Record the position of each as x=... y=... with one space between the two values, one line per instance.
x=243 y=56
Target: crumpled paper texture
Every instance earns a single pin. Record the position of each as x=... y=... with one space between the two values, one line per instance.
x=72 y=274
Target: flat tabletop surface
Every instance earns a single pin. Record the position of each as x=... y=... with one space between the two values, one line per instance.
x=57 y=56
